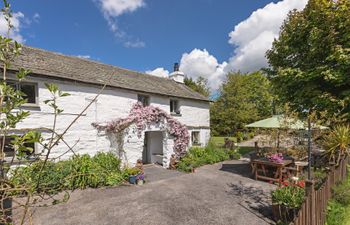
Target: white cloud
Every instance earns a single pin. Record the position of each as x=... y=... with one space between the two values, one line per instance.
x=84 y=56
x=17 y=22
x=159 y=72
x=200 y=63
x=112 y=9
x=135 y=44
x=195 y=64
x=251 y=39
x=254 y=36
x=36 y=17
x=116 y=8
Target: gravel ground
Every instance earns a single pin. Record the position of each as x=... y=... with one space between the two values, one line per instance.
x=217 y=194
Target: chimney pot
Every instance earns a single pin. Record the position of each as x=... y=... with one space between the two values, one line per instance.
x=177 y=75
x=176 y=67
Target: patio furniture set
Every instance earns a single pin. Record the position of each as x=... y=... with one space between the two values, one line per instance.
x=275 y=167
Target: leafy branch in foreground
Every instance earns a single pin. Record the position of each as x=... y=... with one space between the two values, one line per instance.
x=12 y=100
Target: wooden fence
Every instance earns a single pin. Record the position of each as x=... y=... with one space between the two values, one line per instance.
x=313 y=210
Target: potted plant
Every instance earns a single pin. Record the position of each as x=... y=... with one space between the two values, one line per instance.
x=276 y=158
x=133 y=173
x=287 y=200
x=140 y=179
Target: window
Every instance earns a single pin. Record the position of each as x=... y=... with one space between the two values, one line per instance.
x=195 y=138
x=9 y=149
x=29 y=89
x=174 y=107
x=143 y=99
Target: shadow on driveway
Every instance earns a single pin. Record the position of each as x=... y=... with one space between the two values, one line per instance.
x=254 y=199
x=238 y=167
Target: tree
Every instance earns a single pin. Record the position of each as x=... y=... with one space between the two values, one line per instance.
x=200 y=85
x=244 y=98
x=310 y=61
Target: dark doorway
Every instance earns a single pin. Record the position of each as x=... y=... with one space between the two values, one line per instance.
x=145 y=152
x=153 y=148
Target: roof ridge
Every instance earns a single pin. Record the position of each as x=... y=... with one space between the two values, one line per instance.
x=96 y=62
x=58 y=65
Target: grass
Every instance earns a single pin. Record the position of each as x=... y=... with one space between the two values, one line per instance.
x=220 y=141
x=338 y=209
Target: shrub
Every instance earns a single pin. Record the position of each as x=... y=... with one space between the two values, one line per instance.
x=198 y=156
x=320 y=176
x=240 y=136
x=81 y=171
x=291 y=196
x=335 y=213
x=337 y=142
x=339 y=206
x=107 y=161
x=251 y=135
x=341 y=193
x=233 y=154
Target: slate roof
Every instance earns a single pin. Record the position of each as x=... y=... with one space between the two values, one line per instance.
x=42 y=62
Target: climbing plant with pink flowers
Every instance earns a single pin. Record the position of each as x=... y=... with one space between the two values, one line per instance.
x=143 y=116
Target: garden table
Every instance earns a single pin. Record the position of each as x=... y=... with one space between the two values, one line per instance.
x=264 y=165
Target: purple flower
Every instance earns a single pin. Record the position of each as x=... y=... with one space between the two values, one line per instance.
x=277 y=158
x=141 y=176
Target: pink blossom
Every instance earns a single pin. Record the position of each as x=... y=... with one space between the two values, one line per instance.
x=145 y=116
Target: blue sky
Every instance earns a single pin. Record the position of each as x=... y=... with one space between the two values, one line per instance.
x=150 y=35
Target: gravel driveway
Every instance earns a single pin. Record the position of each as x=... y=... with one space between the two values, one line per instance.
x=222 y=193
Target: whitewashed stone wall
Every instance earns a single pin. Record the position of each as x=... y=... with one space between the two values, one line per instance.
x=112 y=103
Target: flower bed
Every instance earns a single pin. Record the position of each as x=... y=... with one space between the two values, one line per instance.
x=79 y=172
x=287 y=200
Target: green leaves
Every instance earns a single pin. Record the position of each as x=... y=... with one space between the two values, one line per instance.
x=290 y=196
x=310 y=60
x=79 y=172
x=243 y=99
x=56 y=93
x=23 y=144
x=22 y=73
x=200 y=85
x=337 y=142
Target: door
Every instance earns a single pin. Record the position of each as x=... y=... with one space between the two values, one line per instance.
x=145 y=152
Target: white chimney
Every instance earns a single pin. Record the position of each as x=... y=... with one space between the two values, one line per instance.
x=177 y=75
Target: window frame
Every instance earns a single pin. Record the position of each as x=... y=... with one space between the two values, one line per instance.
x=35 y=148
x=147 y=97
x=36 y=90
x=176 y=110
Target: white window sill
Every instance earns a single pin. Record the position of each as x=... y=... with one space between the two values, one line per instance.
x=31 y=106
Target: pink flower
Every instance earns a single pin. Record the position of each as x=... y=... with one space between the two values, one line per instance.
x=145 y=116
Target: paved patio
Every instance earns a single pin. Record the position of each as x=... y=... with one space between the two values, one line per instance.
x=222 y=193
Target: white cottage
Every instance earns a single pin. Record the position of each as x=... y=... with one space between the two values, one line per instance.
x=83 y=79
